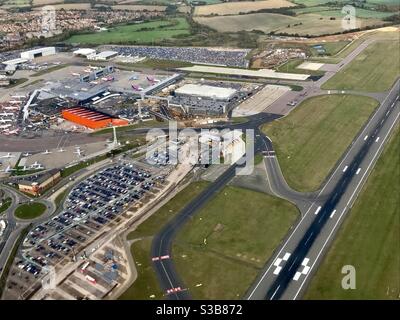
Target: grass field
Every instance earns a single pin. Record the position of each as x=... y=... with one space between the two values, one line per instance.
x=331 y=48
x=375 y=69
x=148 y=32
x=291 y=67
x=313 y=137
x=29 y=211
x=241 y=7
x=146 y=283
x=305 y=24
x=374 y=248
x=224 y=246
x=6 y=203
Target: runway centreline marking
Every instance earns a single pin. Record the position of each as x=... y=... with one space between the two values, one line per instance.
x=345 y=208
x=332 y=214
x=358 y=170
x=318 y=210
x=345 y=168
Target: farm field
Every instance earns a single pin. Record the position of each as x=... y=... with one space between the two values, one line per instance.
x=148 y=32
x=138 y=7
x=375 y=69
x=240 y=7
x=324 y=126
x=305 y=24
x=375 y=216
x=224 y=246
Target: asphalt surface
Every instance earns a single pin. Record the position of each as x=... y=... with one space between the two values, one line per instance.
x=288 y=273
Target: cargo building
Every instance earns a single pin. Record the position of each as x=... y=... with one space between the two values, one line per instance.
x=91 y=119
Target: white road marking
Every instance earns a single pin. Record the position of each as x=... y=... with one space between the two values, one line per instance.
x=297 y=276
x=358 y=170
x=305 y=261
x=286 y=256
x=318 y=210
x=309 y=237
x=275 y=292
x=277 y=270
x=332 y=214
x=345 y=168
x=277 y=262
x=377 y=139
x=306 y=269
x=366 y=137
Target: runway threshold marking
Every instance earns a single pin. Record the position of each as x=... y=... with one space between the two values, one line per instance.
x=318 y=210
x=366 y=137
x=377 y=139
x=345 y=168
x=358 y=170
x=332 y=214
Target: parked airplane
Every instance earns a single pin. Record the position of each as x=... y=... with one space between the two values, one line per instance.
x=5 y=120
x=61 y=150
x=47 y=152
x=13 y=131
x=26 y=154
x=5 y=126
x=136 y=87
x=78 y=151
x=152 y=79
x=7 y=170
x=6 y=114
x=8 y=155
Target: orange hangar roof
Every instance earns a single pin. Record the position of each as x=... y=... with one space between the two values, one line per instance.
x=90 y=118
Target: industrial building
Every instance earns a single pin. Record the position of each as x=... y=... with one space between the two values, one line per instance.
x=39 y=183
x=103 y=56
x=36 y=53
x=206 y=91
x=84 y=52
x=90 y=118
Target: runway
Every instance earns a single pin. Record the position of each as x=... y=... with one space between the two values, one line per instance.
x=287 y=274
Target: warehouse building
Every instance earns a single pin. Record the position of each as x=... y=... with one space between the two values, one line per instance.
x=37 y=184
x=103 y=56
x=206 y=91
x=37 y=53
x=90 y=118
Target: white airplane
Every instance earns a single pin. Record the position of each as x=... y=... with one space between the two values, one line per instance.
x=75 y=74
x=79 y=152
x=5 y=120
x=14 y=101
x=47 y=152
x=61 y=150
x=26 y=154
x=12 y=108
x=5 y=126
x=18 y=97
x=13 y=131
x=5 y=114
x=7 y=170
x=8 y=155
